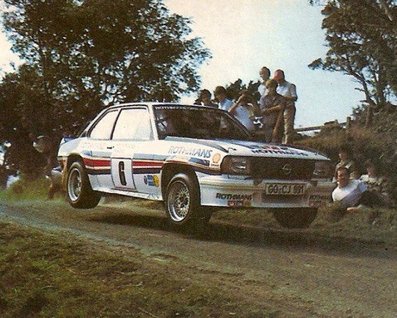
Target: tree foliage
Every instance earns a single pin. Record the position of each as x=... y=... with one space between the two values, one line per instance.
x=23 y=113
x=362 y=40
x=82 y=55
x=234 y=89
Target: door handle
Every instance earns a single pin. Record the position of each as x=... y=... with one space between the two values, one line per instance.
x=109 y=147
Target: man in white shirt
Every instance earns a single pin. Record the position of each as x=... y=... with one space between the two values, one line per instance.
x=264 y=74
x=223 y=102
x=244 y=110
x=288 y=91
x=349 y=192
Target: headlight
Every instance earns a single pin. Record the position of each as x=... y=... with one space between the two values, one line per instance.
x=323 y=170
x=236 y=165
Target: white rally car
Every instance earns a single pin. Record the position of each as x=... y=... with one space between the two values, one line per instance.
x=195 y=159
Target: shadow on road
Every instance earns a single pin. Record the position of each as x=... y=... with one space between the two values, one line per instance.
x=257 y=236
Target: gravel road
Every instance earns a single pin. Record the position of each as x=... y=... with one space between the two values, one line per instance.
x=298 y=272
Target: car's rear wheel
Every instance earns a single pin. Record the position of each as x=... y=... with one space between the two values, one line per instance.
x=296 y=218
x=79 y=192
x=182 y=202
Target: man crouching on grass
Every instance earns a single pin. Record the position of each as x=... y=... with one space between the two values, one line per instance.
x=350 y=193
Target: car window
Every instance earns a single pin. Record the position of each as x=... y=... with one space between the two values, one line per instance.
x=193 y=122
x=133 y=124
x=103 y=128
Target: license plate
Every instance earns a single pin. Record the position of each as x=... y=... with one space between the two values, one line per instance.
x=284 y=189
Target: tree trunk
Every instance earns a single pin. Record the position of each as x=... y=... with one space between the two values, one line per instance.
x=369 y=116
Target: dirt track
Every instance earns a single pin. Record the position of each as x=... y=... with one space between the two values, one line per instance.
x=297 y=273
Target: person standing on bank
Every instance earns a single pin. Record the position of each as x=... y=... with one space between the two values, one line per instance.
x=288 y=91
x=223 y=102
x=205 y=99
x=244 y=110
x=264 y=74
x=272 y=106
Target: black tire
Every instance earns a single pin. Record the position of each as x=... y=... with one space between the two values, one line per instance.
x=297 y=218
x=78 y=188
x=182 y=202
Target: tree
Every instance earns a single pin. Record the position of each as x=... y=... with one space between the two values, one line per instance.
x=234 y=89
x=95 y=52
x=82 y=55
x=20 y=106
x=361 y=36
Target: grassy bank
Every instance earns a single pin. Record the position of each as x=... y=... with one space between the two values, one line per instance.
x=25 y=189
x=51 y=275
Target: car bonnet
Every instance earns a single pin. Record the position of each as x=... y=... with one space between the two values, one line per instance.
x=256 y=149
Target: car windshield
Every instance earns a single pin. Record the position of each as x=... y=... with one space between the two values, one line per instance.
x=196 y=122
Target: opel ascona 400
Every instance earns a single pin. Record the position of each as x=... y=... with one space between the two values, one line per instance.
x=195 y=159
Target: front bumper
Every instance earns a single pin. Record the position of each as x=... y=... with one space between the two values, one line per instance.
x=225 y=191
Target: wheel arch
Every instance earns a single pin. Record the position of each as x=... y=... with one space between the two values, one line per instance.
x=73 y=158
x=69 y=161
x=171 y=169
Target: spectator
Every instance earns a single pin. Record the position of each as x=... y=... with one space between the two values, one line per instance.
x=352 y=194
x=346 y=160
x=264 y=74
x=244 y=109
x=272 y=106
x=205 y=99
x=52 y=171
x=376 y=184
x=349 y=193
x=223 y=102
x=288 y=90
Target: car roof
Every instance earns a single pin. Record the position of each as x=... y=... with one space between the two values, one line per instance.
x=151 y=104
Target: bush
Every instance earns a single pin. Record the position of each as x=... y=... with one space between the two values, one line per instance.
x=376 y=143
x=27 y=189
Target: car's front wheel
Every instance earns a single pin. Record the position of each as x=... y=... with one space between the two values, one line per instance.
x=296 y=218
x=182 y=202
x=79 y=192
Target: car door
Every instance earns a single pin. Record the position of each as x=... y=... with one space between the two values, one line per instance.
x=99 y=147
x=132 y=128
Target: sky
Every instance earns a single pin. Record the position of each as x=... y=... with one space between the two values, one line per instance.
x=244 y=35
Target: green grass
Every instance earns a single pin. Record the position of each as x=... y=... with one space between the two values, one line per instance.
x=55 y=275
x=26 y=190
x=375 y=225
